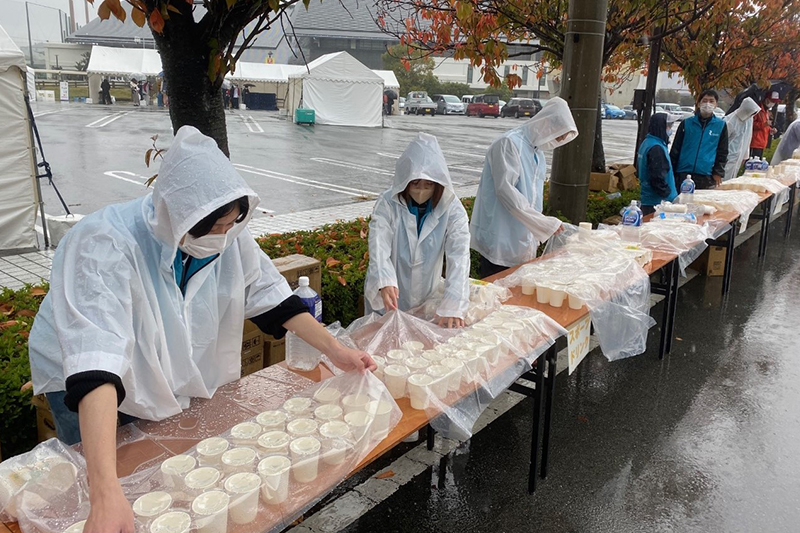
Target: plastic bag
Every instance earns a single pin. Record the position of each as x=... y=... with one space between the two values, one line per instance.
x=760 y=185
x=598 y=269
x=484 y=298
x=453 y=375
x=741 y=202
x=261 y=473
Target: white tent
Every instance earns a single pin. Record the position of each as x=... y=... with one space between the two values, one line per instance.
x=340 y=89
x=109 y=61
x=18 y=199
x=265 y=78
x=389 y=79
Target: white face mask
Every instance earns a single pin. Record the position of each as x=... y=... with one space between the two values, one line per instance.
x=205 y=246
x=707 y=109
x=421 y=193
x=770 y=105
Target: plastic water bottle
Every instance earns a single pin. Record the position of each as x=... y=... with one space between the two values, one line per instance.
x=748 y=166
x=687 y=190
x=299 y=354
x=310 y=298
x=632 y=222
x=764 y=164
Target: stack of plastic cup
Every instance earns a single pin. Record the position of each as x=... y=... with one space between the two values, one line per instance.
x=243 y=488
x=239 y=460
x=245 y=434
x=150 y=505
x=301 y=427
x=395 y=378
x=359 y=422
x=305 y=459
x=272 y=420
x=172 y=522
x=335 y=434
x=419 y=390
x=381 y=412
x=174 y=469
x=354 y=402
x=201 y=479
x=210 y=451
x=297 y=407
x=211 y=510
x=274 y=443
x=274 y=472
x=327 y=412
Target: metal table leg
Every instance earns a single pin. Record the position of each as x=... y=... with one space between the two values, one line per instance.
x=667 y=289
x=730 y=243
x=550 y=392
x=762 y=244
x=676 y=272
x=537 y=413
x=790 y=210
x=431 y=433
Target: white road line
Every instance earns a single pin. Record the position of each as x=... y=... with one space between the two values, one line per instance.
x=115 y=174
x=354 y=166
x=384 y=154
x=478 y=156
x=37 y=115
x=251 y=124
x=266 y=211
x=341 y=189
x=105 y=121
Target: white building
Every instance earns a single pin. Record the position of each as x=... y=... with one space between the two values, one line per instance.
x=460 y=71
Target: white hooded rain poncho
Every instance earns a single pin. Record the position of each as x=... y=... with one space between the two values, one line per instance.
x=114 y=304
x=399 y=258
x=507 y=221
x=790 y=141
x=740 y=133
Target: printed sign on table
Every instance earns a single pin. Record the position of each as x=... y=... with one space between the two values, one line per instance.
x=578 y=341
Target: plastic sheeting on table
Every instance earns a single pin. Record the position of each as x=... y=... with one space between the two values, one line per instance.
x=484 y=298
x=741 y=202
x=760 y=185
x=296 y=475
x=593 y=268
x=454 y=374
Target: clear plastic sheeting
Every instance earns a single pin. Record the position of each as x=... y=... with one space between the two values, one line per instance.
x=738 y=201
x=484 y=298
x=593 y=268
x=760 y=185
x=258 y=475
x=453 y=375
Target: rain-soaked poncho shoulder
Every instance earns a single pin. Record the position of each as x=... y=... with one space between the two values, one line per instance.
x=412 y=262
x=740 y=133
x=790 y=141
x=114 y=304
x=507 y=221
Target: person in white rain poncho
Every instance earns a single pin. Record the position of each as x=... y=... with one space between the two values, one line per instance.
x=414 y=225
x=789 y=143
x=507 y=221
x=740 y=133
x=146 y=308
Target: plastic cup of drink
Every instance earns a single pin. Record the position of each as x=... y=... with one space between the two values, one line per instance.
x=77 y=527
x=327 y=412
x=328 y=395
x=297 y=407
x=274 y=443
x=272 y=420
x=417 y=364
x=243 y=489
x=380 y=362
x=557 y=295
x=152 y=504
x=335 y=434
x=419 y=390
x=202 y=479
x=301 y=427
x=354 y=402
x=246 y=433
x=359 y=422
x=210 y=451
x=305 y=459
x=239 y=460
x=211 y=512
x=441 y=380
x=446 y=349
x=528 y=287
x=274 y=472
x=487 y=354
x=396 y=356
x=432 y=356
x=395 y=380
x=381 y=412
x=413 y=346
x=542 y=294
x=172 y=522
x=575 y=302
x=174 y=469
x=456 y=367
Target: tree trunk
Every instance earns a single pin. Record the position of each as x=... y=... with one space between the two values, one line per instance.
x=193 y=99
x=598 y=152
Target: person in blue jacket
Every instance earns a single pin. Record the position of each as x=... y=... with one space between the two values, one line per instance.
x=655 y=168
x=700 y=147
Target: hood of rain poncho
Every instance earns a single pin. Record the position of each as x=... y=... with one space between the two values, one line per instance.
x=748 y=108
x=423 y=159
x=194 y=180
x=553 y=121
x=658 y=126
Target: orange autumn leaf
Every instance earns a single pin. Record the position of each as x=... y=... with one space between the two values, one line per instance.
x=27 y=313
x=38 y=291
x=156 y=21
x=342 y=281
x=331 y=262
x=9 y=323
x=385 y=475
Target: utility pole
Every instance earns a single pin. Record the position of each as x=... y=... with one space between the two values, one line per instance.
x=583 y=63
x=30 y=41
x=651 y=85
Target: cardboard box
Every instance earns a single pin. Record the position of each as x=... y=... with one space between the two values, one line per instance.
x=45 y=424
x=274 y=350
x=622 y=170
x=252 y=349
x=711 y=263
x=292 y=267
x=603 y=181
x=629 y=182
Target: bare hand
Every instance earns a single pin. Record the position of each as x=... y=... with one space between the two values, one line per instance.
x=718 y=180
x=349 y=359
x=450 y=322
x=110 y=511
x=559 y=230
x=390 y=296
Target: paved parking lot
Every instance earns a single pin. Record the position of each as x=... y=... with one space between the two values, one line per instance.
x=97 y=154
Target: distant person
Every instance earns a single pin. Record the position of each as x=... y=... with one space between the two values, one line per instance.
x=655 y=168
x=789 y=143
x=700 y=147
x=740 y=133
x=134 y=92
x=164 y=95
x=507 y=221
x=762 y=126
x=226 y=98
x=105 y=92
x=235 y=96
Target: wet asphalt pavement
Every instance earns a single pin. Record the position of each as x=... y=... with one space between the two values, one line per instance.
x=707 y=440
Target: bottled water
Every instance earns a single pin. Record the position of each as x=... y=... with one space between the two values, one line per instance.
x=310 y=298
x=632 y=222
x=687 y=190
x=299 y=354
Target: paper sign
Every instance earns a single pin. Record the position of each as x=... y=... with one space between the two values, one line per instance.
x=578 y=341
x=64 y=89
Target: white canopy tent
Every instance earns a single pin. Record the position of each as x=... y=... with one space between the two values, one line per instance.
x=389 y=79
x=265 y=78
x=109 y=61
x=341 y=90
x=18 y=198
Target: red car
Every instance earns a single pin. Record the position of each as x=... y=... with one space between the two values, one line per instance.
x=484 y=105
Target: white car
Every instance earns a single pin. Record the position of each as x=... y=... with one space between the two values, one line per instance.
x=675 y=111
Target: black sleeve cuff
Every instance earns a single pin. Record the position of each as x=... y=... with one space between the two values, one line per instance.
x=273 y=320
x=82 y=383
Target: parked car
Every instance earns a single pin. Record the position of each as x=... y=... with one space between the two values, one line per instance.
x=630 y=112
x=676 y=111
x=519 y=107
x=402 y=102
x=672 y=117
x=613 y=111
x=502 y=104
x=688 y=109
x=484 y=105
x=602 y=111
x=419 y=103
x=466 y=99
x=719 y=112
x=447 y=104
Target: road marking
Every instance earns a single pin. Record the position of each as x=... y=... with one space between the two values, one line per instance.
x=478 y=156
x=266 y=211
x=341 y=189
x=251 y=124
x=105 y=121
x=354 y=166
x=114 y=174
x=37 y=115
x=384 y=154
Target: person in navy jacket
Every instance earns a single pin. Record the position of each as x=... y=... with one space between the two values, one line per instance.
x=700 y=147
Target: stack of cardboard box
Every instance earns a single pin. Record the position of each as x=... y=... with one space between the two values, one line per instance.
x=617 y=177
